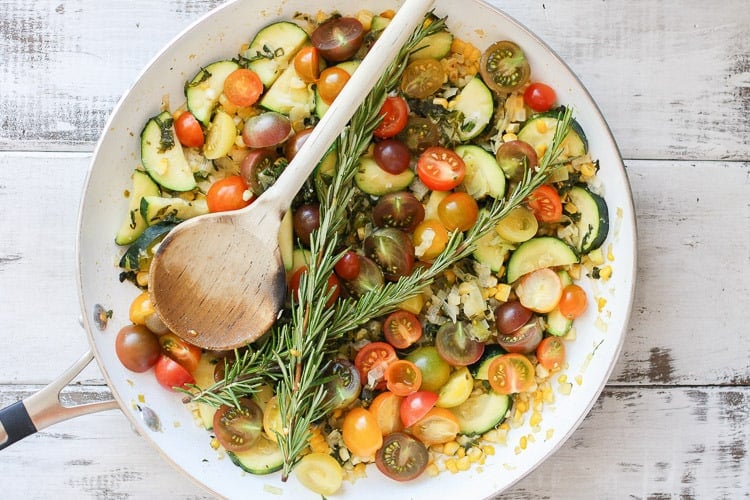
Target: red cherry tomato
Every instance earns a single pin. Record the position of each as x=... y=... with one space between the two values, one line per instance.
x=243 y=87
x=333 y=285
x=372 y=362
x=540 y=97
x=183 y=352
x=170 y=374
x=416 y=405
x=189 y=131
x=401 y=329
x=546 y=204
x=440 y=169
x=395 y=113
x=348 y=266
x=228 y=194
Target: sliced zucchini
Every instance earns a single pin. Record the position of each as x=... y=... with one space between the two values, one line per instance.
x=138 y=254
x=591 y=219
x=158 y=208
x=221 y=136
x=203 y=91
x=540 y=129
x=483 y=174
x=162 y=155
x=320 y=105
x=480 y=369
x=557 y=324
x=134 y=225
x=492 y=251
x=538 y=253
x=273 y=48
x=204 y=378
x=289 y=92
x=263 y=458
x=481 y=412
x=373 y=180
x=477 y=106
x=435 y=46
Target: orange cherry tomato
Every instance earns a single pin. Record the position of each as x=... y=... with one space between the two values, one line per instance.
x=189 y=131
x=330 y=83
x=307 y=64
x=386 y=408
x=243 y=87
x=431 y=238
x=228 y=194
x=361 y=433
x=403 y=377
x=573 y=301
x=395 y=113
x=440 y=169
x=546 y=204
x=458 y=211
x=372 y=362
x=551 y=353
x=440 y=425
x=511 y=373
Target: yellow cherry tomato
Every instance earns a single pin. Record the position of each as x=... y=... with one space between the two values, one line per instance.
x=141 y=308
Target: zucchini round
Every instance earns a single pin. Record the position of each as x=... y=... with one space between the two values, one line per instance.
x=481 y=412
x=591 y=219
x=538 y=253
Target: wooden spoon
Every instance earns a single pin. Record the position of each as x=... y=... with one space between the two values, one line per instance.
x=217 y=280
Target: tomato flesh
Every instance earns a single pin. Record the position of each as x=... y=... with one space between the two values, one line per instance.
x=438 y=426
x=456 y=346
x=395 y=115
x=403 y=377
x=183 y=352
x=511 y=373
x=402 y=329
x=307 y=64
x=551 y=353
x=372 y=362
x=458 y=211
x=238 y=429
x=402 y=457
x=440 y=169
x=504 y=67
x=386 y=408
x=546 y=204
x=243 y=87
x=416 y=405
x=422 y=78
x=338 y=39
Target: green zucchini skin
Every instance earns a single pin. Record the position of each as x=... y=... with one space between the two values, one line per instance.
x=203 y=91
x=538 y=253
x=481 y=412
x=162 y=155
x=139 y=250
x=591 y=218
x=263 y=458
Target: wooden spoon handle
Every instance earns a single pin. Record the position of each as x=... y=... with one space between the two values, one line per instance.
x=409 y=15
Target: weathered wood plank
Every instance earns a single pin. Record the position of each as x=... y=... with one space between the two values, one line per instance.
x=637 y=443
x=63 y=73
x=693 y=280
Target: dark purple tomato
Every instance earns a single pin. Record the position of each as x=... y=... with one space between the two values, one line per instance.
x=266 y=130
x=338 y=39
x=510 y=316
x=344 y=385
x=401 y=210
x=393 y=250
x=523 y=340
x=306 y=219
x=456 y=346
x=514 y=157
x=295 y=142
x=137 y=348
x=401 y=457
x=419 y=134
x=370 y=278
x=256 y=161
x=392 y=155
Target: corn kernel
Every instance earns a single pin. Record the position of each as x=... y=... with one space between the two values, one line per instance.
x=523 y=442
x=605 y=273
x=541 y=126
x=541 y=148
x=503 y=292
x=437 y=448
x=463 y=463
x=451 y=465
x=562 y=379
x=588 y=170
x=601 y=302
x=509 y=137
x=215 y=444
x=536 y=419
x=451 y=448
x=579 y=379
x=474 y=454
x=488 y=450
x=550 y=433
x=610 y=253
x=461 y=452
x=365 y=17
x=432 y=470
x=388 y=14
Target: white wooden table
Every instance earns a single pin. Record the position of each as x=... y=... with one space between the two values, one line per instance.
x=671 y=77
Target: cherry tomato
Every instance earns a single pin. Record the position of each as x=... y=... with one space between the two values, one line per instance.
x=546 y=204
x=456 y=346
x=523 y=340
x=511 y=373
x=372 y=362
x=137 y=348
x=266 y=130
x=504 y=67
x=392 y=155
x=439 y=426
x=551 y=353
x=386 y=408
x=395 y=113
x=170 y=374
x=305 y=220
x=348 y=266
x=320 y=473
x=229 y=193
x=573 y=301
x=430 y=238
x=540 y=290
x=401 y=210
x=189 y=131
x=416 y=405
x=338 y=39
x=141 y=308
x=540 y=97
x=393 y=250
x=183 y=352
x=295 y=142
x=238 y=429
x=243 y=87
x=256 y=162
x=435 y=370
x=422 y=78
x=510 y=316
x=401 y=457
x=331 y=82
x=419 y=134
x=334 y=287
x=518 y=226
x=344 y=386
x=401 y=329
x=515 y=157
x=458 y=211
x=307 y=64
x=403 y=377
x=361 y=432
x=440 y=169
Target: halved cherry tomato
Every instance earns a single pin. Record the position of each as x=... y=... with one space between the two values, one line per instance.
x=331 y=82
x=402 y=458
x=430 y=238
x=170 y=374
x=361 y=432
x=348 y=266
x=458 y=211
x=386 y=407
x=504 y=67
x=551 y=353
x=440 y=169
x=546 y=204
x=243 y=87
x=238 y=429
x=229 y=193
x=372 y=362
x=320 y=473
x=403 y=377
x=435 y=370
x=189 y=131
x=183 y=352
x=307 y=64
x=439 y=426
x=456 y=346
x=523 y=340
x=395 y=113
x=339 y=38
x=416 y=405
x=539 y=96
x=422 y=78
x=141 y=308
x=515 y=157
x=401 y=329
x=333 y=285
x=511 y=373
x=573 y=301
